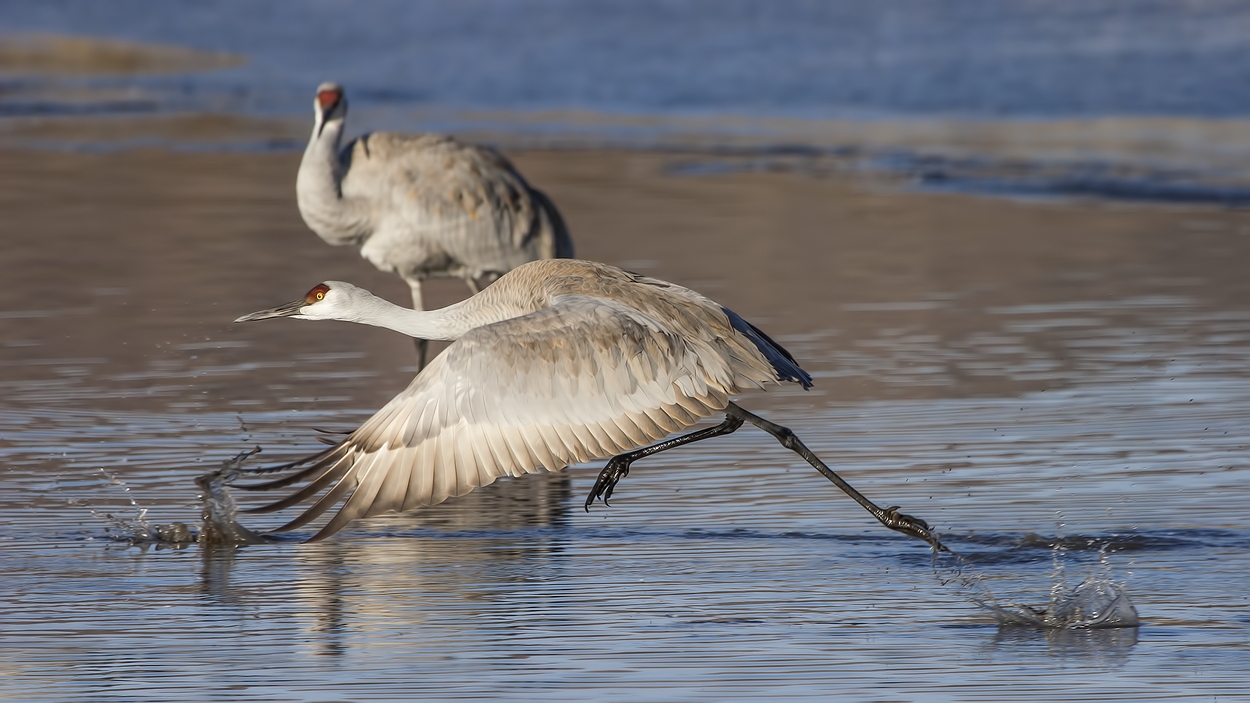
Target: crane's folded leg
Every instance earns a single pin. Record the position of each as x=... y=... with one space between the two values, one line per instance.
x=618 y=467
x=423 y=348
x=422 y=345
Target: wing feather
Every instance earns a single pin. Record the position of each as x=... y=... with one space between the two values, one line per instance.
x=425 y=462
x=587 y=442
x=635 y=435
x=330 y=474
x=467 y=463
x=610 y=437
x=523 y=459
x=395 y=482
x=484 y=465
x=503 y=457
x=448 y=468
x=537 y=444
x=359 y=499
x=342 y=488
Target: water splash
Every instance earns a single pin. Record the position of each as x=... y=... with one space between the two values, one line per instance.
x=218 y=506
x=135 y=528
x=1098 y=601
x=218 y=510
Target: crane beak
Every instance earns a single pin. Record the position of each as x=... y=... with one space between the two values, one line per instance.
x=291 y=308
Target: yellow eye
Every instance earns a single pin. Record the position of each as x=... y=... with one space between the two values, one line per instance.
x=318 y=293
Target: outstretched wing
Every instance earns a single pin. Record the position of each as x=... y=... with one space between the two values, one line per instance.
x=582 y=379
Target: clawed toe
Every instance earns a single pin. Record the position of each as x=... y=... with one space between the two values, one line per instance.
x=606 y=483
x=903 y=519
x=910 y=525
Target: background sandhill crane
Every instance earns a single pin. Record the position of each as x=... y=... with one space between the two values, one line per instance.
x=422 y=206
x=557 y=362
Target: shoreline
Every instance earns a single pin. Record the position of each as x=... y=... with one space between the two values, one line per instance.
x=1160 y=160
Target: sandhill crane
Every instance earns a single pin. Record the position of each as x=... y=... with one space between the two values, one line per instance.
x=422 y=206
x=558 y=362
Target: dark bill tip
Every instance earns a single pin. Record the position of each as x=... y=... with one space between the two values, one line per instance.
x=287 y=310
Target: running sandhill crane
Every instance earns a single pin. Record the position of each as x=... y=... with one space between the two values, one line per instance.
x=557 y=362
x=422 y=205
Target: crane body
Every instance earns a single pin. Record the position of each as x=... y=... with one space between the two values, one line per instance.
x=422 y=206
x=557 y=362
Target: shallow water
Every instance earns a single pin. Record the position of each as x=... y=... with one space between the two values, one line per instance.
x=726 y=572
x=1028 y=377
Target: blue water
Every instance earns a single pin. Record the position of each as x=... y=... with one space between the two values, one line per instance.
x=908 y=58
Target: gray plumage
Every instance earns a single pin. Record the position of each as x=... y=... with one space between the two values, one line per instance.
x=557 y=362
x=422 y=206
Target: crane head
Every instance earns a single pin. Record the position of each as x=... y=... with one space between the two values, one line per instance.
x=302 y=308
x=331 y=104
x=332 y=300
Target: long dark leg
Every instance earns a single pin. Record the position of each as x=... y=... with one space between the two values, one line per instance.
x=423 y=348
x=890 y=517
x=618 y=466
x=423 y=345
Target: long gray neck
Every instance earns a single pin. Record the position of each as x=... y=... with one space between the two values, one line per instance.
x=336 y=219
x=445 y=324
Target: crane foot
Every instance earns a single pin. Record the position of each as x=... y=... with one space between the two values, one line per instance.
x=909 y=525
x=616 y=469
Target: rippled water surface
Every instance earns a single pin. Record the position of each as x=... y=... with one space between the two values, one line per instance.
x=1051 y=385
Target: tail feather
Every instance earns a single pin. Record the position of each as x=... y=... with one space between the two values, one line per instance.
x=786 y=367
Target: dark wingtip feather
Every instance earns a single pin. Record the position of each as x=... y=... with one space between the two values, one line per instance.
x=274 y=468
x=786 y=367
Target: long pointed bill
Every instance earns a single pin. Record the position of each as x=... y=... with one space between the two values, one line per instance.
x=291 y=308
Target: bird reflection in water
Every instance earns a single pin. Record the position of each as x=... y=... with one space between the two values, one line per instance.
x=464 y=548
